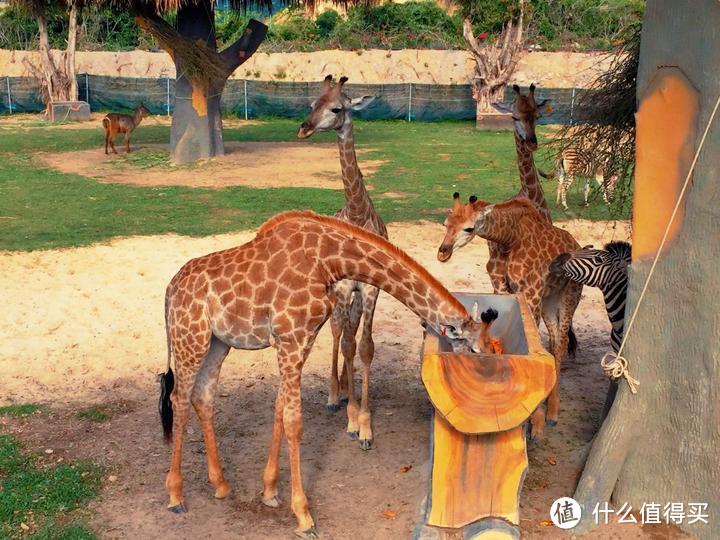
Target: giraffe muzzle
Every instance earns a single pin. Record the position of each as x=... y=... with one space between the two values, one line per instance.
x=444 y=253
x=305 y=130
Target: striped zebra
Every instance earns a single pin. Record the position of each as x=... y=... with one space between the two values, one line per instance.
x=574 y=162
x=605 y=269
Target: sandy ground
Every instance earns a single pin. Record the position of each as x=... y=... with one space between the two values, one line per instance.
x=252 y=164
x=84 y=326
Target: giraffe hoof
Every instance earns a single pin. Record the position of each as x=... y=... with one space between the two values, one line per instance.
x=366 y=444
x=550 y=422
x=178 y=508
x=332 y=407
x=310 y=533
x=272 y=502
x=353 y=435
x=223 y=491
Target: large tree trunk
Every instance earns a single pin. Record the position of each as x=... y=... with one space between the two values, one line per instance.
x=662 y=445
x=58 y=81
x=202 y=72
x=494 y=64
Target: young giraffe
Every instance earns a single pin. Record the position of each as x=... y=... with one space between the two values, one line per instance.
x=277 y=291
x=333 y=111
x=531 y=244
x=525 y=113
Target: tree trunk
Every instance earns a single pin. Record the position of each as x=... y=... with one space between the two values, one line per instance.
x=202 y=72
x=58 y=82
x=662 y=445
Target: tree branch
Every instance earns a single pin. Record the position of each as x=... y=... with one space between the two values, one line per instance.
x=237 y=53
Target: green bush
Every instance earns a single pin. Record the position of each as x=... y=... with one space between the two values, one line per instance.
x=326 y=22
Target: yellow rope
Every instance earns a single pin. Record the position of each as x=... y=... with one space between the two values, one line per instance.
x=614 y=364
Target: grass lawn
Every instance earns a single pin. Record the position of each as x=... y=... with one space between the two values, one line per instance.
x=36 y=495
x=42 y=208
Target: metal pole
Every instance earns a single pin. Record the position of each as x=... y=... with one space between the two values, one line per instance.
x=245 y=97
x=87 y=89
x=168 y=95
x=7 y=79
x=410 y=104
x=572 y=106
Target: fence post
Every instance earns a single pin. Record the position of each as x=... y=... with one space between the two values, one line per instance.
x=167 y=95
x=87 y=89
x=7 y=80
x=572 y=106
x=245 y=98
x=410 y=104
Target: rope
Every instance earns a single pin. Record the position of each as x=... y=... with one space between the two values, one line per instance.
x=614 y=364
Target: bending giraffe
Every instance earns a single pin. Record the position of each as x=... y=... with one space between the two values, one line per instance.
x=332 y=111
x=531 y=243
x=277 y=291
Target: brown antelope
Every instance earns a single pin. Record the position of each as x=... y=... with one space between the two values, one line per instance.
x=115 y=123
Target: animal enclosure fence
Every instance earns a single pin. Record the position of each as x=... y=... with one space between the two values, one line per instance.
x=255 y=99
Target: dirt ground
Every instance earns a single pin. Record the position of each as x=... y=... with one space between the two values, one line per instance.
x=85 y=326
x=251 y=164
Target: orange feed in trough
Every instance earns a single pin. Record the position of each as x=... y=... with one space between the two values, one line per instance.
x=481 y=402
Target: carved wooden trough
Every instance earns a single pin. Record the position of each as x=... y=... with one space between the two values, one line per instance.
x=481 y=402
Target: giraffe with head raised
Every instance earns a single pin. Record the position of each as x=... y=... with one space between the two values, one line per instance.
x=531 y=243
x=277 y=291
x=332 y=111
x=525 y=113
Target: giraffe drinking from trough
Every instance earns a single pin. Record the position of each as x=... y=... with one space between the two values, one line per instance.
x=277 y=291
x=332 y=111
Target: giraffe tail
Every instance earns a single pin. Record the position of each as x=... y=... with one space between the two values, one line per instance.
x=572 y=343
x=167 y=382
x=546 y=176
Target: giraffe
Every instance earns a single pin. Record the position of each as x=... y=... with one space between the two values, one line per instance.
x=531 y=244
x=525 y=113
x=277 y=291
x=333 y=111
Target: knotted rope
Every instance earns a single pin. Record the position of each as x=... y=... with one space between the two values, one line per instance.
x=615 y=364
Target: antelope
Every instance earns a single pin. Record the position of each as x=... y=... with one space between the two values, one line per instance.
x=115 y=123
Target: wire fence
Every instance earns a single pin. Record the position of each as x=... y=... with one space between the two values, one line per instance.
x=255 y=99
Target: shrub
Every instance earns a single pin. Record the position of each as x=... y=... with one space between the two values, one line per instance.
x=326 y=22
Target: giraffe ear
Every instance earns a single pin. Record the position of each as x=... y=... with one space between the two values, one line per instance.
x=450 y=331
x=474 y=311
x=358 y=104
x=545 y=106
x=502 y=107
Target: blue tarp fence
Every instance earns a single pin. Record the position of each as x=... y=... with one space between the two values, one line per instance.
x=254 y=99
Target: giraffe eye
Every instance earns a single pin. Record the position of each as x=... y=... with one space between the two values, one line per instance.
x=469 y=230
x=336 y=110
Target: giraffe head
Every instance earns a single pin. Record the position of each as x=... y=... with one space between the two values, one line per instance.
x=333 y=109
x=472 y=335
x=525 y=113
x=461 y=224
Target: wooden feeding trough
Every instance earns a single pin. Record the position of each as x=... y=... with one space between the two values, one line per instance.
x=481 y=402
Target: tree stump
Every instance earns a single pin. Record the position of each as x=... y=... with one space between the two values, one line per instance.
x=481 y=401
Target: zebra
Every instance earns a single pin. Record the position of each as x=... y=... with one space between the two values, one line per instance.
x=574 y=162
x=605 y=269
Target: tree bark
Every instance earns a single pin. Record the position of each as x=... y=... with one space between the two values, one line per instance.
x=662 y=445
x=494 y=64
x=201 y=74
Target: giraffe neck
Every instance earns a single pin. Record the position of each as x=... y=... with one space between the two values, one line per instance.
x=357 y=199
x=529 y=179
x=501 y=226
x=377 y=262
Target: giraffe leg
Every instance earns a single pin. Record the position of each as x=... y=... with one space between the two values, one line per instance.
x=367 y=352
x=187 y=364
x=291 y=358
x=107 y=138
x=202 y=399
x=550 y=316
x=271 y=473
x=560 y=187
x=497 y=268
x=537 y=418
x=343 y=295
x=348 y=349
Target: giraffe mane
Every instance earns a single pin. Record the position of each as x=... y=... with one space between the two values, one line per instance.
x=372 y=238
x=519 y=203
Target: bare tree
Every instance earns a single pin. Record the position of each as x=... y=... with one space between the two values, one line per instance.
x=57 y=73
x=494 y=62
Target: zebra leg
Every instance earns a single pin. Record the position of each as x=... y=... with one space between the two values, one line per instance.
x=586 y=191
